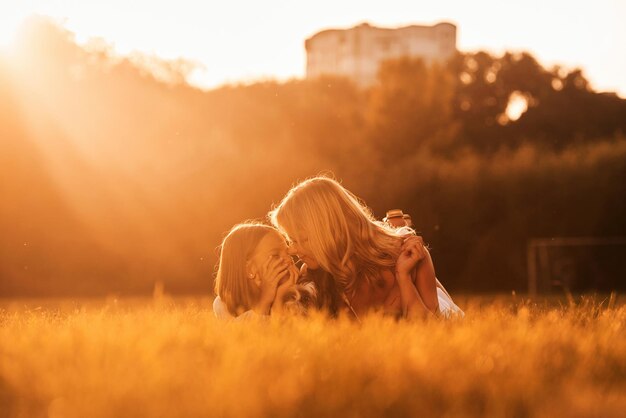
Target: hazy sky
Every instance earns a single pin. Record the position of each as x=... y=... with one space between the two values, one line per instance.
x=245 y=40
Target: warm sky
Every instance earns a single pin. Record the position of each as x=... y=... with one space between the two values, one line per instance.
x=245 y=40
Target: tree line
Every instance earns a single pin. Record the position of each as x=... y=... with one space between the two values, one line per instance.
x=117 y=174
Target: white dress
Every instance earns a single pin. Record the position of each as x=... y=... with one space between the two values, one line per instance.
x=447 y=307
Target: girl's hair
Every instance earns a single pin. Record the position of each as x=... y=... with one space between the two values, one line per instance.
x=342 y=234
x=232 y=284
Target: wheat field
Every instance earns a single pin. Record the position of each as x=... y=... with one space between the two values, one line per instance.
x=510 y=357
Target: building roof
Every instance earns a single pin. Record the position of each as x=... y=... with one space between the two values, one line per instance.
x=326 y=32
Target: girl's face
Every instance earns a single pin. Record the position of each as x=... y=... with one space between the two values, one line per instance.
x=301 y=249
x=271 y=245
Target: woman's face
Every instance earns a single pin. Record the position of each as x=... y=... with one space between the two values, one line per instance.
x=272 y=246
x=300 y=248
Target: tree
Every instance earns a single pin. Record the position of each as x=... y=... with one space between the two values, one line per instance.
x=410 y=107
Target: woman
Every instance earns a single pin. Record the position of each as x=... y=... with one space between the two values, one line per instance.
x=372 y=266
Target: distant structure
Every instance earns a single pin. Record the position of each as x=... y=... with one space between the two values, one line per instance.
x=358 y=52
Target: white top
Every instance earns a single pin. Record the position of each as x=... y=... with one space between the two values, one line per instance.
x=221 y=311
x=447 y=307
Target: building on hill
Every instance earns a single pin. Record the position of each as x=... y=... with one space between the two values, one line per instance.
x=358 y=52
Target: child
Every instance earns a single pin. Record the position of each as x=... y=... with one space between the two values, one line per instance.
x=256 y=275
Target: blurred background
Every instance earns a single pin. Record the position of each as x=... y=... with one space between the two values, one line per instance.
x=123 y=168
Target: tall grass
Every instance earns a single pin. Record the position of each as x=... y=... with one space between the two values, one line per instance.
x=507 y=358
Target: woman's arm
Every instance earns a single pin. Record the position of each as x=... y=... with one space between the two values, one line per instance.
x=412 y=304
x=426 y=282
x=415 y=258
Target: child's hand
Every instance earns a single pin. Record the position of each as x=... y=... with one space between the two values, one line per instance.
x=413 y=251
x=287 y=283
x=274 y=269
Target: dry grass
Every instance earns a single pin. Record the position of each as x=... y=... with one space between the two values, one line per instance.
x=508 y=358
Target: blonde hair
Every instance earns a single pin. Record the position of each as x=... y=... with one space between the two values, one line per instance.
x=342 y=233
x=232 y=284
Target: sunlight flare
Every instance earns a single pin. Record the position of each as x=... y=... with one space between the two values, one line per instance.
x=8 y=29
x=518 y=104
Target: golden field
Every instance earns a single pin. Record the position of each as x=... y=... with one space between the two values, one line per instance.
x=510 y=357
